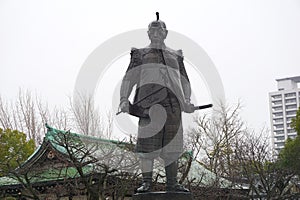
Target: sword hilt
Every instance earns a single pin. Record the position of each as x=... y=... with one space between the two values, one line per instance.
x=203 y=107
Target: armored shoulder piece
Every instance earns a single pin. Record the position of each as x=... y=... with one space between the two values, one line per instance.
x=135 y=59
x=179 y=53
x=175 y=52
x=135 y=53
x=134 y=50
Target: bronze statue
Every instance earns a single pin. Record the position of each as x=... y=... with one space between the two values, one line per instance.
x=162 y=92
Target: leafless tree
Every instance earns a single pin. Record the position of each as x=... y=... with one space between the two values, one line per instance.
x=112 y=166
x=29 y=114
x=257 y=165
x=21 y=115
x=214 y=137
x=85 y=116
x=225 y=146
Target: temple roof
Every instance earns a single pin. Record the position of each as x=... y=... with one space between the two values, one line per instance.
x=113 y=153
x=50 y=145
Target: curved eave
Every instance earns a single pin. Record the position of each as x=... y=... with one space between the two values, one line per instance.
x=37 y=154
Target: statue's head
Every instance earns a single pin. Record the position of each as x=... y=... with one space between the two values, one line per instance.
x=157 y=30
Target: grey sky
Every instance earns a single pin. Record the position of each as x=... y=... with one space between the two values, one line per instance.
x=252 y=42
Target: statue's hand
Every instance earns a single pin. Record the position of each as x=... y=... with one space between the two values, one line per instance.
x=189 y=107
x=124 y=106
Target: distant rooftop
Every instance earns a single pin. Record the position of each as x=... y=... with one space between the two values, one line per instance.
x=295 y=79
x=289 y=83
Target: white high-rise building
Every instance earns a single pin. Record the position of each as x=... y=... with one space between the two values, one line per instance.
x=284 y=104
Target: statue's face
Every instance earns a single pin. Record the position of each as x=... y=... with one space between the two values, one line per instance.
x=157 y=34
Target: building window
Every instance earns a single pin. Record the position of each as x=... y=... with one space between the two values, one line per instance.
x=278 y=120
x=290 y=101
x=277 y=102
x=293 y=94
x=279 y=138
x=291 y=130
x=292 y=136
x=291 y=106
x=279 y=126
x=291 y=112
x=278 y=132
x=289 y=119
x=278 y=96
x=277 y=108
x=280 y=144
x=278 y=114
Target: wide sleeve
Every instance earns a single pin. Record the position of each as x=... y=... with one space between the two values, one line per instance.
x=185 y=82
x=132 y=74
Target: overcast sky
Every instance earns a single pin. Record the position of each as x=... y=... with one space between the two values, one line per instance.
x=43 y=44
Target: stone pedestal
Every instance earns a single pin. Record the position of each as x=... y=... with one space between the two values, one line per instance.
x=163 y=196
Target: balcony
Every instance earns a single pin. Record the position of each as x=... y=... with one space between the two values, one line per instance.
x=290 y=95
x=276 y=123
x=289 y=119
x=278 y=128
x=291 y=113
x=278 y=148
x=277 y=115
x=291 y=107
x=276 y=103
x=279 y=132
x=292 y=135
x=291 y=101
x=276 y=97
x=279 y=144
x=291 y=131
x=277 y=109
